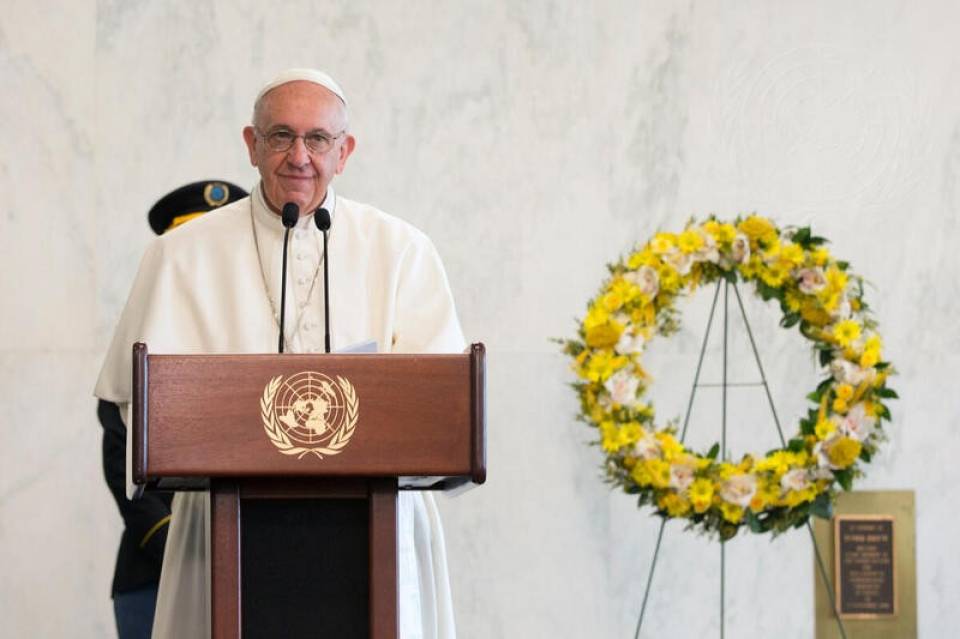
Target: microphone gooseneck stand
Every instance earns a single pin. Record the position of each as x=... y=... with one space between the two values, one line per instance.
x=322 y=219
x=289 y=217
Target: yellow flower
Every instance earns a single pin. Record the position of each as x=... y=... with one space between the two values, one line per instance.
x=690 y=241
x=609 y=437
x=663 y=243
x=672 y=449
x=843 y=452
x=778 y=462
x=758 y=228
x=701 y=494
x=669 y=278
x=824 y=428
x=595 y=316
x=794 y=300
x=815 y=315
x=644 y=257
x=773 y=277
x=612 y=300
x=871 y=352
x=794 y=498
x=640 y=473
x=836 y=280
x=792 y=254
x=674 y=504
x=731 y=512
x=602 y=365
x=629 y=434
x=846 y=332
x=869 y=359
x=722 y=233
x=604 y=335
x=726 y=470
x=844 y=392
x=820 y=256
x=597 y=413
x=759 y=501
x=840 y=406
x=659 y=472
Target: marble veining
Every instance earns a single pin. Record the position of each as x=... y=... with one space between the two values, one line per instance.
x=533 y=142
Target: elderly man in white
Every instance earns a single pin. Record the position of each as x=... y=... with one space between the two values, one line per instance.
x=212 y=286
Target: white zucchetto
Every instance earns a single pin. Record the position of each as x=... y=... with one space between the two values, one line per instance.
x=307 y=75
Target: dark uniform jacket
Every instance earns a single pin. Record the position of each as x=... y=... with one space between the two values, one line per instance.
x=146 y=520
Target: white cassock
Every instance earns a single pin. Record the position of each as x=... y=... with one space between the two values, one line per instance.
x=213 y=286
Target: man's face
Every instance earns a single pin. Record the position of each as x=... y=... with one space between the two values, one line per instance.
x=297 y=175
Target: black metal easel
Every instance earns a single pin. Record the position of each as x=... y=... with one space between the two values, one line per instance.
x=723 y=448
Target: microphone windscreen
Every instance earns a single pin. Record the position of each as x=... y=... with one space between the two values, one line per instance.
x=290 y=214
x=322 y=219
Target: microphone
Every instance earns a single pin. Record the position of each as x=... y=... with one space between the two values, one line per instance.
x=321 y=218
x=289 y=217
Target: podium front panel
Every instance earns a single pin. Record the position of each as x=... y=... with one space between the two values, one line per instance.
x=308 y=415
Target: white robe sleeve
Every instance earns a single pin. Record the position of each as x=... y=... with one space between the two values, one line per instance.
x=426 y=317
x=425 y=322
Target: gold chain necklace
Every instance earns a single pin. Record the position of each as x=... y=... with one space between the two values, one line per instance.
x=266 y=288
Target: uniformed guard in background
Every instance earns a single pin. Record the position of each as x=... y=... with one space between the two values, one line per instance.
x=146 y=520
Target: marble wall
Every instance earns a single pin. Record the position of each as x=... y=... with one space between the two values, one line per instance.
x=533 y=141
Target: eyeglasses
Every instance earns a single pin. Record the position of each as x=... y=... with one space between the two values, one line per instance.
x=282 y=140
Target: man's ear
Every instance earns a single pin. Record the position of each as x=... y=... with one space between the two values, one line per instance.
x=250 y=138
x=346 y=149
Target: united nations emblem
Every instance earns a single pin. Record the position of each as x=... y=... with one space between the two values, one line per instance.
x=309 y=412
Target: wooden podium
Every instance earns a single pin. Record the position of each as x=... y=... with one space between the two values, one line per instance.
x=303 y=456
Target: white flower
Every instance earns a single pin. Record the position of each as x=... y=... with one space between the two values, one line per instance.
x=740 y=248
x=847 y=372
x=630 y=343
x=708 y=252
x=739 y=490
x=796 y=479
x=811 y=280
x=856 y=424
x=646 y=279
x=820 y=452
x=843 y=311
x=680 y=261
x=681 y=476
x=622 y=387
x=647 y=447
x=820 y=473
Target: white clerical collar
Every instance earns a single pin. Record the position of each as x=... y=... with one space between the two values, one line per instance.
x=265 y=216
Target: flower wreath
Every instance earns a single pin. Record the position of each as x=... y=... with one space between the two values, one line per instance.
x=782 y=488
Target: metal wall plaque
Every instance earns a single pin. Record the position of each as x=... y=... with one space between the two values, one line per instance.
x=876 y=600
x=865 y=566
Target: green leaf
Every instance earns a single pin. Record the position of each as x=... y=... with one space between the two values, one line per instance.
x=884 y=413
x=789 y=320
x=826 y=356
x=887 y=392
x=865 y=454
x=796 y=445
x=882 y=366
x=754 y=522
x=843 y=265
x=822 y=507
x=730 y=276
x=714 y=451
x=844 y=478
